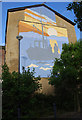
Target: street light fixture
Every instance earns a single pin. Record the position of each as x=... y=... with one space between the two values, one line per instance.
x=19 y=38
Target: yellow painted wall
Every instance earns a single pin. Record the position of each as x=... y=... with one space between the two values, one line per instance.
x=70 y=28
x=12 y=51
x=11 y=41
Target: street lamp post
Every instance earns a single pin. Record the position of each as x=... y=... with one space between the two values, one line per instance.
x=19 y=38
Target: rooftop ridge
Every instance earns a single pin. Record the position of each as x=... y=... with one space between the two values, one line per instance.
x=38 y=5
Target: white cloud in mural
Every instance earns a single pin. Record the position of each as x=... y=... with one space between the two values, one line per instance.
x=45 y=68
x=52 y=31
x=47 y=64
x=32 y=65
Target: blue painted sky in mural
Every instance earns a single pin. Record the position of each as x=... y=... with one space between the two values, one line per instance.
x=44 y=11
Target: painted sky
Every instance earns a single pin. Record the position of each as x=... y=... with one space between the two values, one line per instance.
x=58 y=6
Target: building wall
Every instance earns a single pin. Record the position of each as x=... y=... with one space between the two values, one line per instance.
x=70 y=28
x=46 y=88
x=11 y=41
x=12 y=50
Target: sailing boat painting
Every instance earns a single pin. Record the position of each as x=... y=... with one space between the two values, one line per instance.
x=42 y=40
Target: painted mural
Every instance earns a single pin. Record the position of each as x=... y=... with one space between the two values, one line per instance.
x=42 y=40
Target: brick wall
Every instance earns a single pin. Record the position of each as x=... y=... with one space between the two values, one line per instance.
x=2 y=58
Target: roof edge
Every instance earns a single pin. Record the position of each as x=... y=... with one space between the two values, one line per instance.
x=23 y=8
x=38 y=5
x=60 y=15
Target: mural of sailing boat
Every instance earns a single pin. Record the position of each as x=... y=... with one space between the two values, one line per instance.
x=42 y=41
x=41 y=50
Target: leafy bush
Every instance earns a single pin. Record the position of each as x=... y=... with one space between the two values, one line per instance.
x=66 y=77
x=18 y=89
